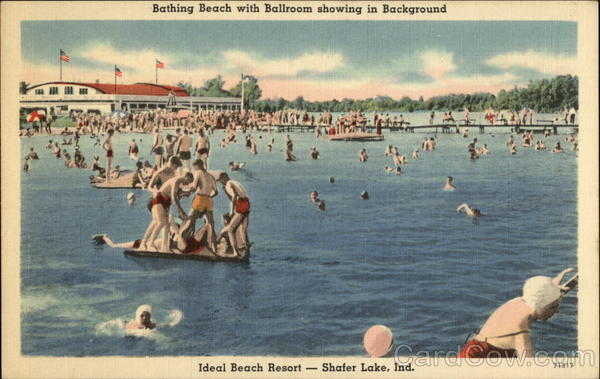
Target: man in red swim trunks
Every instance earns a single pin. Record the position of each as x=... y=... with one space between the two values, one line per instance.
x=159 y=206
x=237 y=229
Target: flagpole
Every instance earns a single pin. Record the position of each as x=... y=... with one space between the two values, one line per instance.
x=60 y=64
x=115 y=74
x=156 y=72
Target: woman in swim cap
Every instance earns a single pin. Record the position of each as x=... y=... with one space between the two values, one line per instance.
x=506 y=333
x=143 y=318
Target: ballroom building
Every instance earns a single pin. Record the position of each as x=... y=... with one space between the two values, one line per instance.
x=70 y=97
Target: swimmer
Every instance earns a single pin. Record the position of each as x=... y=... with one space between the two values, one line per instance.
x=362 y=155
x=321 y=205
x=314 y=153
x=513 y=149
x=388 y=151
x=415 y=154
x=484 y=150
x=314 y=197
x=26 y=164
x=235 y=166
x=474 y=154
x=397 y=159
x=449 y=186
x=473 y=213
x=133 y=150
x=557 y=148
x=130 y=198
x=506 y=333
x=388 y=169
x=398 y=170
x=143 y=319
x=32 y=154
x=364 y=195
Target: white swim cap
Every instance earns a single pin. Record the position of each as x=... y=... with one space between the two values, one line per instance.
x=141 y=309
x=540 y=291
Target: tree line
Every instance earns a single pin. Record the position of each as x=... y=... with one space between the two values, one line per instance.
x=541 y=95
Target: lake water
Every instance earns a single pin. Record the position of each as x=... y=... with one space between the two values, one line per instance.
x=316 y=280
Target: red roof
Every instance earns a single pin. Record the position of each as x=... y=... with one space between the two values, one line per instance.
x=142 y=89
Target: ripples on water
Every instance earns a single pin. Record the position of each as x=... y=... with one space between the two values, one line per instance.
x=316 y=280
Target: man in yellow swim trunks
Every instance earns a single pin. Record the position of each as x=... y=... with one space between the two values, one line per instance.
x=202 y=205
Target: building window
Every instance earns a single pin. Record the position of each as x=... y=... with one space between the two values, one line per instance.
x=53 y=90
x=142 y=106
x=133 y=106
x=83 y=91
x=39 y=91
x=68 y=90
x=151 y=106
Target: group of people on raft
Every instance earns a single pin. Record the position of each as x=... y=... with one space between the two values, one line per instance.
x=164 y=234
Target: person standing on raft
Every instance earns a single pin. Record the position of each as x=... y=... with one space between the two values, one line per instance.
x=107 y=146
x=239 y=213
x=159 y=207
x=506 y=332
x=202 y=205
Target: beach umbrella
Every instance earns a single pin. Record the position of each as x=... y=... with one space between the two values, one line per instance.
x=119 y=113
x=184 y=113
x=35 y=116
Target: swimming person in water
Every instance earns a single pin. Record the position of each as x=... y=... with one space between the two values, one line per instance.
x=473 y=213
x=449 y=186
x=143 y=319
x=506 y=333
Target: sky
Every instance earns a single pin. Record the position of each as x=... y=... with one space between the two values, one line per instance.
x=318 y=60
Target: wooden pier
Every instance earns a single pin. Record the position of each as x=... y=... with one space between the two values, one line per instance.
x=541 y=126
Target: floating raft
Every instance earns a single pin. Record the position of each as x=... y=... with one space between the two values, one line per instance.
x=204 y=255
x=356 y=137
x=123 y=181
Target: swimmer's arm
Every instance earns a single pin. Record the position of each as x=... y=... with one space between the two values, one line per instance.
x=558 y=278
x=523 y=345
x=461 y=207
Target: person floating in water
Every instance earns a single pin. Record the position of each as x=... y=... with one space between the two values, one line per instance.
x=473 y=213
x=143 y=319
x=449 y=186
x=506 y=333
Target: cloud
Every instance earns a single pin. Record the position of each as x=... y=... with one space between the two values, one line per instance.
x=262 y=67
x=554 y=64
x=437 y=64
x=131 y=59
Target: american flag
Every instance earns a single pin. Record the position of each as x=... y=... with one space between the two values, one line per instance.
x=160 y=64
x=118 y=72
x=63 y=56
